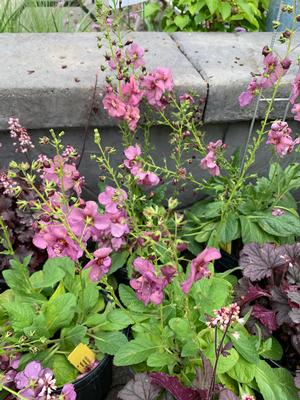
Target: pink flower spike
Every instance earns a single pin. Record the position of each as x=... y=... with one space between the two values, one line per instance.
x=132 y=152
x=280 y=137
x=131 y=92
x=114 y=105
x=199 y=267
x=132 y=116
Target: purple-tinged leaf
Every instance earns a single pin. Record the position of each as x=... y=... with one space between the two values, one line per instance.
x=265 y=316
x=176 y=388
x=139 y=388
x=280 y=304
x=295 y=315
x=293 y=252
x=224 y=350
x=294 y=296
x=227 y=395
x=254 y=292
x=293 y=275
x=204 y=374
x=297 y=382
x=258 y=261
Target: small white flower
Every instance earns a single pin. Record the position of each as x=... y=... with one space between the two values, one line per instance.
x=236 y=335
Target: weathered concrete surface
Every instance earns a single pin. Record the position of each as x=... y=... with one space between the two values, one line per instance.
x=226 y=61
x=47 y=79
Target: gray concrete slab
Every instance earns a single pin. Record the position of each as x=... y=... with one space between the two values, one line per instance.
x=226 y=61
x=47 y=79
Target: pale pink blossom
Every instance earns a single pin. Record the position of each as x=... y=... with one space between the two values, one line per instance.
x=199 y=267
x=131 y=93
x=100 y=264
x=277 y=212
x=22 y=139
x=136 y=55
x=113 y=199
x=280 y=137
x=132 y=116
x=247 y=97
x=114 y=105
x=273 y=70
x=156 y=84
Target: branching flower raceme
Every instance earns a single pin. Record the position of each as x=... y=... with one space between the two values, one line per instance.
x=199 y=267
x=134 y=164
x=225 y=316
x=22 y=140
x=209 y=162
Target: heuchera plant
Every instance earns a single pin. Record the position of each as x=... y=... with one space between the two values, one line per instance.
x=271 y=288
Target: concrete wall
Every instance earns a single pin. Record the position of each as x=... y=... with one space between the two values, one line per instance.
x=47 y=81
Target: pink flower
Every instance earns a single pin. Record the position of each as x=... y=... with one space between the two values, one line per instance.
x=279 y=136
x=273 y=70
x=199 y=267
x=295 y=89
x=148 y=286
x=156 y=84
x=56 y=240
x=132 y=117
x=187 y=97
x=144 y=178
x=277 y=212
x=131 y=92
x=296 y=111
x=100 y=264
x=86 y=222
x=136 y=55
x=225 y=317
x=64 y=175
x=209 y=162
x=114 y=105
x=247 y=97
x=21 y=136
x=68 y=392
x=113 y=199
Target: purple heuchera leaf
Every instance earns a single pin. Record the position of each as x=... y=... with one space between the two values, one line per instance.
x=259 y=260
x=265 y=316
x=204 y=375
x=280 y=304
x=297 y=382
x=227 y=395
x=176 y=388
x=139 y=388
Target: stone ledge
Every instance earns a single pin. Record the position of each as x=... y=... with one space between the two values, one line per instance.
x=35 y=87
x=226 y=61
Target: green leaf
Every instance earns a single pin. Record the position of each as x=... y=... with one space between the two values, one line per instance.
x=48 y=277
x=283 y=225
x=211 y=294
x=129 y=299
x=245 y=345
x=38 y=329
x=190 y=349
x=90 y=296
x=95 y=320
x=110 y=342
x=119 y=259
x=212 y=5
x=251 y=232
x=72 y=336
x=274 y=385
x=119 y=318
x=159 y=360
x=60 y=311
x=63 y=371
x=64 y=263
x=196 y=7
x=182 y=21
x=181 y=328
x=225 y=364
x=17 y=277
x=243 y=371
x=225 y=10
x=134 y=352
x=151 y=9
x=271 y=349
x=229 y=229
x=20 y=315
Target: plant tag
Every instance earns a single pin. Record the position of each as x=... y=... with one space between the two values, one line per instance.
x=82 y=357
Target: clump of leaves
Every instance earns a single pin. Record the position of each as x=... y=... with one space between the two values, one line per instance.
x=271 y=286
x=44 y=316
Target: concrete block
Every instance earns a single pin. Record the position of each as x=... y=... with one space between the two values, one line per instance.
x=47 y=80
x=226 y=61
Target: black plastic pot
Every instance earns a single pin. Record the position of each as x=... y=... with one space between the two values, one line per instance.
x=96 y=384
x=121 y=276
x=226 y=262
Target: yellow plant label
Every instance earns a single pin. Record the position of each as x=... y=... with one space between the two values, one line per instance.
x=82 y=357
